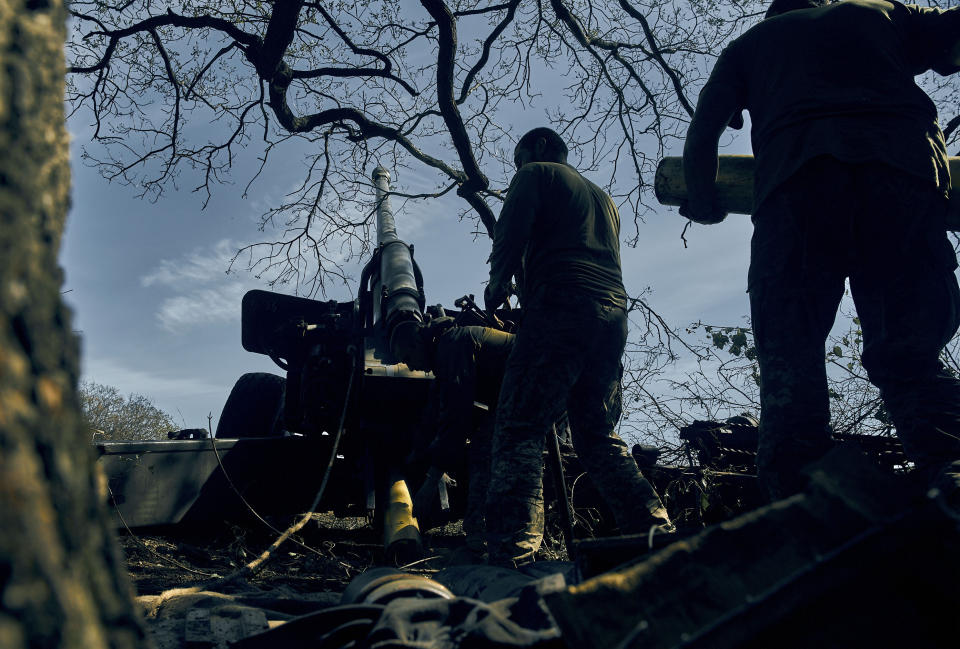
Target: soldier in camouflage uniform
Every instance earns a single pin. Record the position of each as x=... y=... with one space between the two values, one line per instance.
x=468 y=364
x=560 y=232
x=851 y=182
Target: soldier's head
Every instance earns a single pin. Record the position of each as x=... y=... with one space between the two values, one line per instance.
x=778 y=7
x=540 y=145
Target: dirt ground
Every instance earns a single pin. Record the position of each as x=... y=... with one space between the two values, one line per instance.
x=172 y=570
x=322 y=558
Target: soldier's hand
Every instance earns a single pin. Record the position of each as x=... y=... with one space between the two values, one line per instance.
x=493 y=297
x=705 y=213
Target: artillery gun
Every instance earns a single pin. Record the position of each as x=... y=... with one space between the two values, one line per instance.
x=343 y=373
x=346 y=396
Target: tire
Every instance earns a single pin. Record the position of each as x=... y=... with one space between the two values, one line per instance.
x=254 y=407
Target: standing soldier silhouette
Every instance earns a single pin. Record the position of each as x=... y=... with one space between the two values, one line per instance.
x=851 y=182
x=560 y=232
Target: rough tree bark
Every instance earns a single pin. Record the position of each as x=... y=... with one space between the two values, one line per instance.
x=62 y=580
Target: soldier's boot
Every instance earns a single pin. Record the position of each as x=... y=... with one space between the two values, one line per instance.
x=517 y=547
x=657 y=522
x=660 y=519
x=514 y=531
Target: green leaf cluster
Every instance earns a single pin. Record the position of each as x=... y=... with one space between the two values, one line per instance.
x=737 y=339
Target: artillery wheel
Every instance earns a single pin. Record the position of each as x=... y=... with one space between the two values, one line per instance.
x=254 y=407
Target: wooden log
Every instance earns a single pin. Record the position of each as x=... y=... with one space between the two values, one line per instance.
x=735 y=185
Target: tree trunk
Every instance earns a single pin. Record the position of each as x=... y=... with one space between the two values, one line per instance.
x=62 y=580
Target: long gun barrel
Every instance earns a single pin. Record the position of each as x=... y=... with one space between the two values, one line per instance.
x=397 y=292
x=734 y=185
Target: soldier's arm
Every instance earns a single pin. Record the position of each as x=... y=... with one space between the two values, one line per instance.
x=512 y=234
x=720 y=102
x=934 y=35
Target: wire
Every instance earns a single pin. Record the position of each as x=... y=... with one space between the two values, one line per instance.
x=254 y=566
x=253 y=511
x=146 y=547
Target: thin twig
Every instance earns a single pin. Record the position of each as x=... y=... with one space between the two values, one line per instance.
x=257 y=564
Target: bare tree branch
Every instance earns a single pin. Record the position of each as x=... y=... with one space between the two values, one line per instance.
x=511 y=8
x=475 y=181
x=658 y=54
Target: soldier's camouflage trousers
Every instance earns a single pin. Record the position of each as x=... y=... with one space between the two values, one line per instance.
x=884 y=230
x=563 y=360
